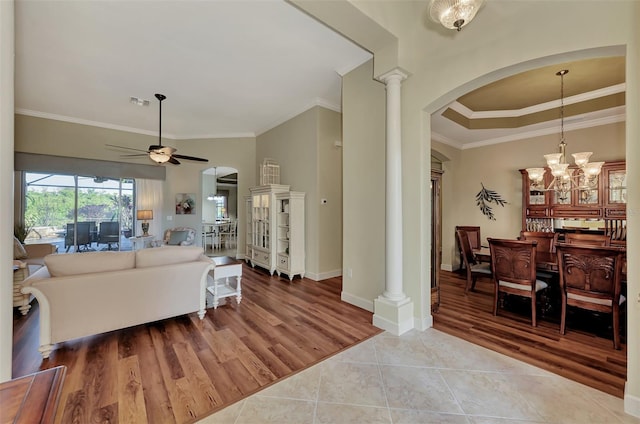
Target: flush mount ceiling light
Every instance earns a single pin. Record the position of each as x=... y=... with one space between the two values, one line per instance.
x=454 y=14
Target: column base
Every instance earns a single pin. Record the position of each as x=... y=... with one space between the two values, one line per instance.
x=394 y=316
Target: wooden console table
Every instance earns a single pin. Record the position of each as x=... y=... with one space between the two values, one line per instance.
x=32 y=399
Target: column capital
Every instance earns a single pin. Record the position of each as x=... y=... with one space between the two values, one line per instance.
x=396 y=74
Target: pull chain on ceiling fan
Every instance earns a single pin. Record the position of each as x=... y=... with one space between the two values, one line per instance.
x=157 y=152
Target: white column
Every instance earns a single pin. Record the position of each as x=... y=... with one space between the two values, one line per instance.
x=393 y=310
x=393 y=224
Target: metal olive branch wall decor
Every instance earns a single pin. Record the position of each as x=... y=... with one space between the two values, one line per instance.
x=486 y=196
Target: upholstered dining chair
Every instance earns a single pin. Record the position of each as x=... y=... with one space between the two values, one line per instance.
x=473 y=267
x=473 y=232
x=590 y=278
x=587 y=239
x=513 y=263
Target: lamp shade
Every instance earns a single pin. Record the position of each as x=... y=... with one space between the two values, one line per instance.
x=144 y=214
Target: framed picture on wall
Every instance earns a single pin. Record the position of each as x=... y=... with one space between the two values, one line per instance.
x=185 y=203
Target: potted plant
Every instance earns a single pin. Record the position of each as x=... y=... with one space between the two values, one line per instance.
x=21 y=231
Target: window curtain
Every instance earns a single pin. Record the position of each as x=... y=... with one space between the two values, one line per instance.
x=149 y=196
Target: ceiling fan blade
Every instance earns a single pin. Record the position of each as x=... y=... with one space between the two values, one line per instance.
x=134 y=155
x=126 y=148
x=174 y=161
x=190 y=158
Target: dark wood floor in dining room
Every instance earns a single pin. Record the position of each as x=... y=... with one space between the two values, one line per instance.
x=584 y=354
x=182 y=369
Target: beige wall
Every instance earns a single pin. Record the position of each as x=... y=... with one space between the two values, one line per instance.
x=496 y=166
x=46 y=136
x=330 y=188
x=309 y=162
x=444 y=65
x=363 y=215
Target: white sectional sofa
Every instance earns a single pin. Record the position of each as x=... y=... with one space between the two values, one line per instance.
x=83 y=294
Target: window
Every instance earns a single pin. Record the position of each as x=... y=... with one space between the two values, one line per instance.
x=55 y=204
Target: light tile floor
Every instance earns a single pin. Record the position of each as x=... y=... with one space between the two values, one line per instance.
x=424 y=377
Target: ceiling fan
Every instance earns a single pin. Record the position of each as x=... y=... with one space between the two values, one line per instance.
x=157 y=152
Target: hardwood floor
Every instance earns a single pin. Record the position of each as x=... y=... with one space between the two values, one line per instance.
x=183 y=369
x=585 y=354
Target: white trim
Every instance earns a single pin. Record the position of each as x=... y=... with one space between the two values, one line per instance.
x=631 y=404
x=577 y=122
x=360 y=302
x=73 y=120
x=298 y=111
x=324 y=275
x=393 y=328
x=424 y=323
x=514 y=113
x=446 y=267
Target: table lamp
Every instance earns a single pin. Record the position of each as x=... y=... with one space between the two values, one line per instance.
x=144 y=215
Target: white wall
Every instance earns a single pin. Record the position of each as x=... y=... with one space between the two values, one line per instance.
x=6 y=187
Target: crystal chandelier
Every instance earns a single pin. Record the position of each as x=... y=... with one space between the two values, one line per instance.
x=564 y=179
x=454 y=14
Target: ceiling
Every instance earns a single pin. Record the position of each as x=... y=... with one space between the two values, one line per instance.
x=239 y=68
x=228 y=68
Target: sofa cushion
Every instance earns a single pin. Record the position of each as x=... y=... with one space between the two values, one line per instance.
x=18 y=249
x=62 y=264
x=177 y=237
x=167 y=255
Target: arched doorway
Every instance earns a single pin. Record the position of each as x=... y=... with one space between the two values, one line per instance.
x=220 y=211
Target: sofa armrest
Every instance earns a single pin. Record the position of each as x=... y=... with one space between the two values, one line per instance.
x=40 y=250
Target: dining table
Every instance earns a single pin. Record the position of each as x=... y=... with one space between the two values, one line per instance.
x=545 y=261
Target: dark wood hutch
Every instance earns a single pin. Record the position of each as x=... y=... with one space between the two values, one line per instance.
x=606 y=203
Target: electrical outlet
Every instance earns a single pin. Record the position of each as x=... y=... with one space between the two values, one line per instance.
x=349 y=273
x=169 y=217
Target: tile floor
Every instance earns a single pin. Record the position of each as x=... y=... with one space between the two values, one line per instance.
x=424 y=377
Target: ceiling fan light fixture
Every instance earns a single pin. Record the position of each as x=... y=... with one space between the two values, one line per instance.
x=159 y=157
x=454 y=14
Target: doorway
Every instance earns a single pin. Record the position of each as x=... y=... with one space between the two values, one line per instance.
x=220 y=211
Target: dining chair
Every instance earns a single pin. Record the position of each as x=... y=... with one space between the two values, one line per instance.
x=590 y=278
x=546 y=243
x=587 y=239
x=473 y=232
x=513 y=263
x=473 y=267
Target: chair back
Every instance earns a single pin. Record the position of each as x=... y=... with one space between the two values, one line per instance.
x=473 y=233
x=514 y=262
x=588 y=239
x=546 y=241
x=590 y=276
x=109 y=232
x=465 y=248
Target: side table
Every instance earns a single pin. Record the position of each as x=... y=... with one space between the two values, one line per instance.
x=140 y=242
x=226 y=278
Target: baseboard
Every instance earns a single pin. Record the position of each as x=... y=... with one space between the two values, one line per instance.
x=323 y=275
x=446 y=267
x=424 y=323
x=397 y=329
x=632 y=405
x=361 y=303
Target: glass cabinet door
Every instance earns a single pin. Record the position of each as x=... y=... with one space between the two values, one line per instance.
x=617 y=193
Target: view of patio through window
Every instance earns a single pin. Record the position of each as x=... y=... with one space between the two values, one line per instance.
x=79 y=213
